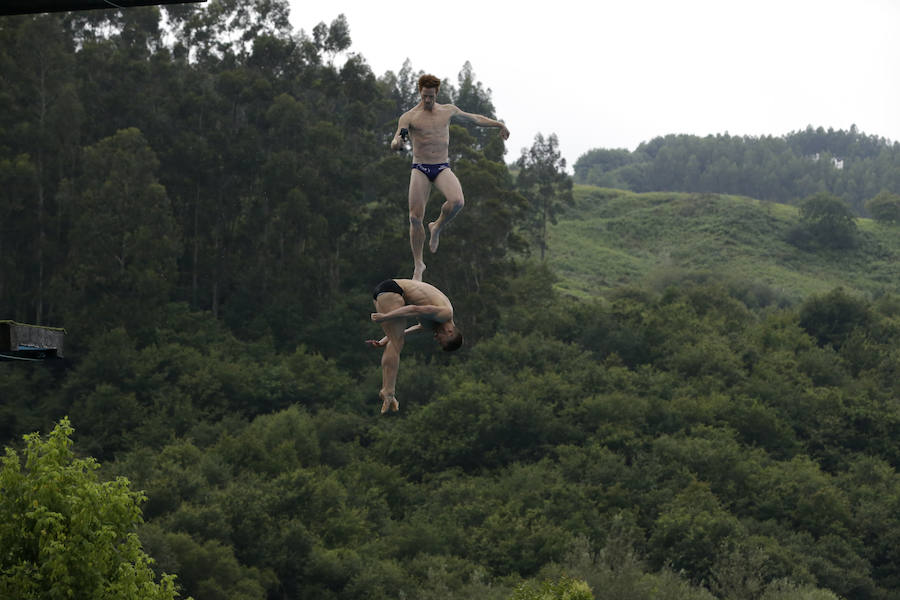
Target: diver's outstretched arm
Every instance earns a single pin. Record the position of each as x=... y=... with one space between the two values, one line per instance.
x=434 y=313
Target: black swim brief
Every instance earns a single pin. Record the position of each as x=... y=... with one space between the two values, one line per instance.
x=388 y=285
x=431 y=171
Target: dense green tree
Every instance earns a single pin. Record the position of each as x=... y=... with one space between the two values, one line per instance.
x=210 y=570
x=848 y=164
x=509 y=467
x=595 y=166
x=16 y=178
x=124 y=242
x=826 y=221
x=561 y=589
x=692 y=529
x=885 y=207
x=402 y=87
x=786 y=590
x=39 y=131
x=334 y=38
x=472 y=97
x=543 y=180
x=832 y=318
x=67 y=534
x=616 y=570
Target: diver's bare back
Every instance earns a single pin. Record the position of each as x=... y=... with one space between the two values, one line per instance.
x=424 y=294
x=430 y=132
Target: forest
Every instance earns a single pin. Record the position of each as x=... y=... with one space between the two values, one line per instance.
x=204 y=198
x=848 y=164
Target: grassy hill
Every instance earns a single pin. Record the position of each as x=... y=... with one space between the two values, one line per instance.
x=614 y=237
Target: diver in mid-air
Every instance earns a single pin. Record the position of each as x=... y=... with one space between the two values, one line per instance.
x=427 y=125
x=396 y=300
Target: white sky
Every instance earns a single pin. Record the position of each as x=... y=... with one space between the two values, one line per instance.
x=613 y=74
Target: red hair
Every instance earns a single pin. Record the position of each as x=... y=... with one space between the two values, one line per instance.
x=429 y=81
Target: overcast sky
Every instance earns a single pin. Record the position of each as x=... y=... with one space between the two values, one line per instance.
x=613 y=74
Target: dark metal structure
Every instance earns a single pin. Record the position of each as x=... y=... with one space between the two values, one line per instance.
x=23 y=7
x=19 y=341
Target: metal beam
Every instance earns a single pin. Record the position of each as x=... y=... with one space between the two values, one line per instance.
x=23 y=7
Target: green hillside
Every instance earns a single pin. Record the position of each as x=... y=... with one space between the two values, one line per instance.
x=615 y=237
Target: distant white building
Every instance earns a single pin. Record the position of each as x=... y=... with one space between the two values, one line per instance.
x=837 y=163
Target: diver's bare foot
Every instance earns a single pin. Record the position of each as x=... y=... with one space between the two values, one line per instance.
x=389 y=403
x=417 y=271
x=435 y=238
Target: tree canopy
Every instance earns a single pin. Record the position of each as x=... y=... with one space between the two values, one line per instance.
x=66 y=534
x=847 y=164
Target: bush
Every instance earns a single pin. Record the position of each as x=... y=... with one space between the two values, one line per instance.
x=563 y=588
x=826 y=221
x=65 y=534
x=885 y=207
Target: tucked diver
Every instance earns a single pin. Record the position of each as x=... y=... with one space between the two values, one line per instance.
x=395 y=301
x=428 y=126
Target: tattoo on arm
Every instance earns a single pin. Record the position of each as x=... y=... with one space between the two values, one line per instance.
x=479 y=120
x=465 y=117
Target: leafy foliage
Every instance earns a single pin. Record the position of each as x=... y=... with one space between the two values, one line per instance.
x=885 y=207
x=848 y=164
x=543 y=180
x=826 y=221
x=732 y=448
x=66 y=534
x=563 y=589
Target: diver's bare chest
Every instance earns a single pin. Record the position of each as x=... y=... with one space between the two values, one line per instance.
x=431 y=122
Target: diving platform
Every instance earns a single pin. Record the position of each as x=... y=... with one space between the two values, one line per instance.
x=20 y=341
